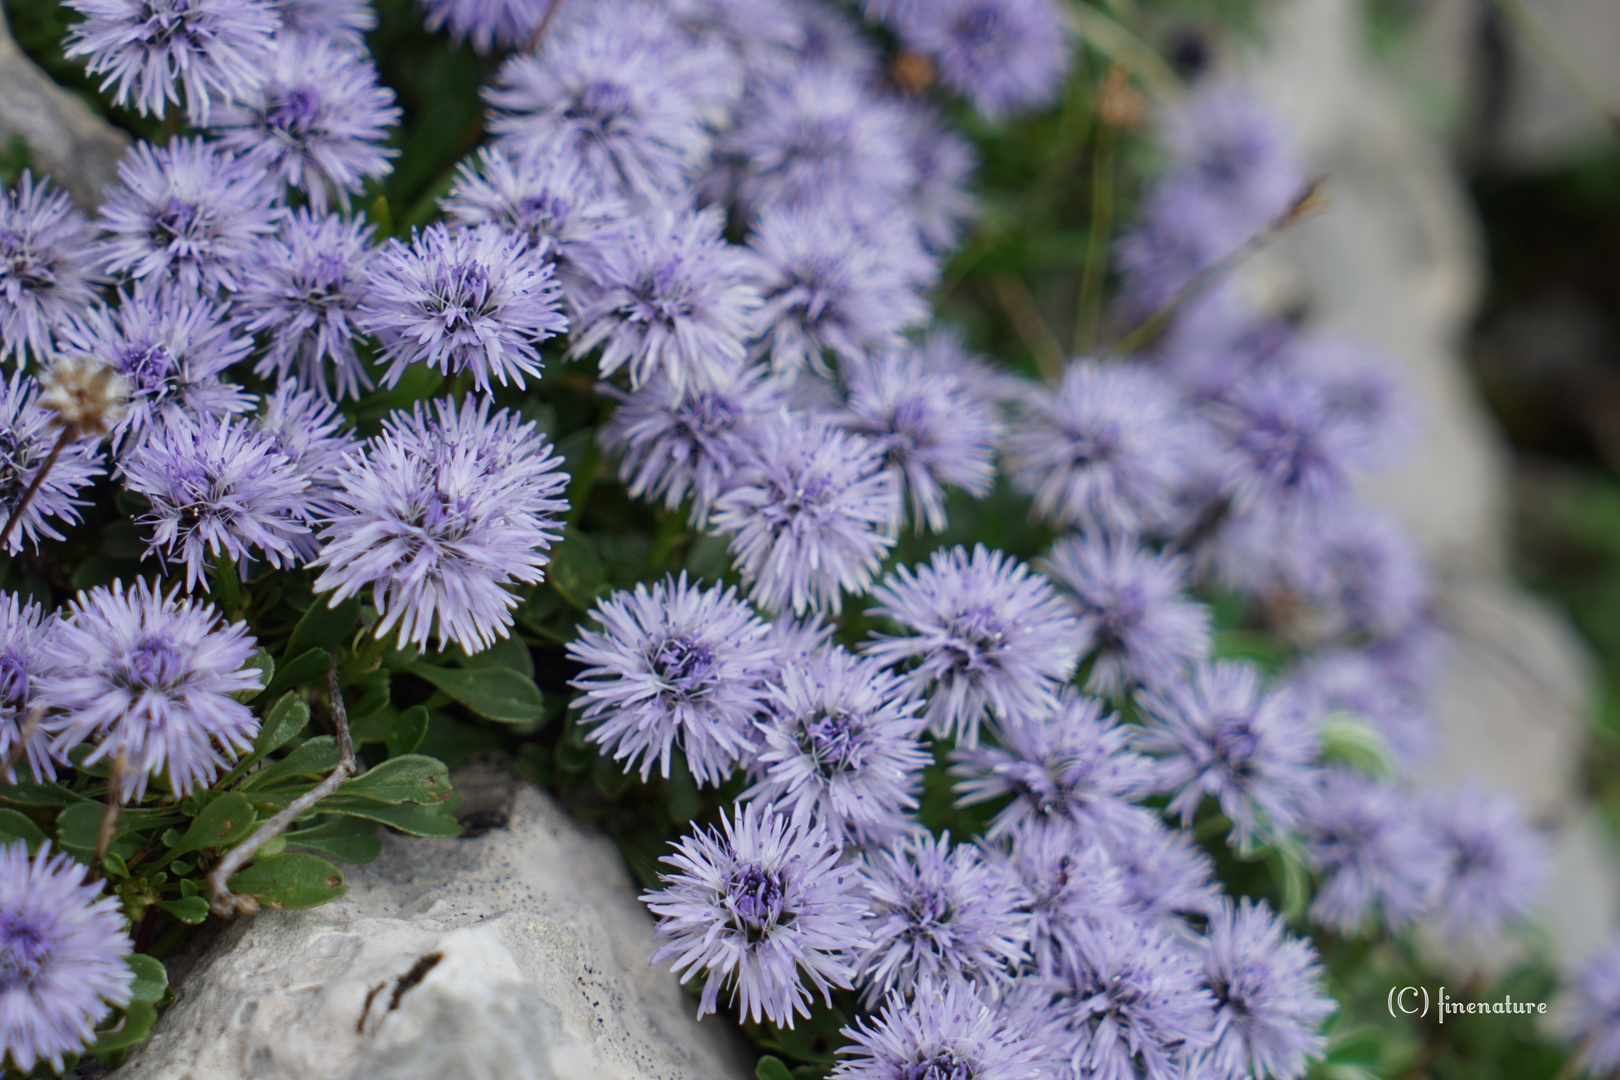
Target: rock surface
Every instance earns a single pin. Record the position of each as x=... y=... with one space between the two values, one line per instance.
x=68 y=141
x=520 y=954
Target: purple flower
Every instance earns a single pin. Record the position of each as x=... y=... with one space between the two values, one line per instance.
x=217 y=487
x=1289 y=450
x=674 y=446
x=478 y=299
x=946 y=1031
x=438 y=515
x=150 y=679
x=1359 y=571
x=552 y=200
x=1072 y=886
x=343 y=22
x=669 y=297
x=760 y=36
x=1131 y=1005
x=830 y=37
x=1269 y=999
x=307 y=428
x=673 y=666
x=1594 y=1011
x=190 y=212
x=818 y=138
x=172 y=350
x=757 y=906
x=933 y=427
x=62 y=949
x=806 y=514
x=151 y=50
x=1166 y=874
x=305 y=290
x=1367 y=839
x=1361 y=386
x=1003 y=55
x=938 y=200
x=988 y=638
x=1357 y=682
x=825 y=290
x=46 y=248
x=1135 y=621
x=316 y=121
x=841 y=748
x=23 y=630
x=1180 y=236
x=1221 y=734
x=1109 y=449
x=488 y=24
x=1067 y=765
x=940 y=912
x=610 y=92
x=26 y=440
x=1495 y=863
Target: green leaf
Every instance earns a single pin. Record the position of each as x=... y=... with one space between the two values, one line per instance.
x=576 y=570
x=266 y=665
x=304 y=668
x=496 y=693
x=409 y=731
x=317 y=757
x=507 y=652
x=191 y=910
x=79 y=826
x=347 y=839
x=285 y=719
x=324 y=627
x=132 y=1028
x=151 y=978
x=293 y=881
x=408 y=778
x=52 y=794
x=771 y=1068
x=223 y=822
x=15 y=825
x=1352 y=741
x=407 y=817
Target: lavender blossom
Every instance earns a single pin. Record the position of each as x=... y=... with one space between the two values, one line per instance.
x=1166 y=874
x=1131 y=1005
x=669 y=297
x=343 y=22
x=1359 y=571
x=1109 y=449
x=26 y=439
x=189 y=212
x=220 y=488
x=439 y=514
x=1002 y=55
x=1269 y=998
x=316 y=122
x=933 y=428
x=824 y=290
x=1067 y=765
x=609 y=92
x=1367 y=839
x=946 y=1031
x=940 y=912
x=938 y=200
x=150 y=679
x=62 y=949
x=989 y=639
x=46 y=248
x=674 y=446
x=307 y=429
x=1221 y=734
x=1180 y=236
x=1357 y=682
x=488 y=24
x=23 y=630
x=1290 y=450
x=1134 y=619
x=841 y=749
x=171 y=349
x=757 y=906
x=806 y=514
x=1594 y=1011
x=478 y=299
x=149 y=51
x=1072 y=884
x=673 y=666
x=1495 y=863
x=305 y=290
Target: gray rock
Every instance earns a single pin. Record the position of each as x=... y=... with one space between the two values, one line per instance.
x=520 y=954
x=68 y=141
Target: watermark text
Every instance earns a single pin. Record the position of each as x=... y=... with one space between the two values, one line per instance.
x=1415 y=1001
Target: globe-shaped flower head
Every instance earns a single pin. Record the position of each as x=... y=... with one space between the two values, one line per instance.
x=758 y=906
x=1495 y=863
x=62 y=949
x=23 y=630
x=673 y=666
x=438 y=515
x=945 y=1031
x=149 y=678
x=1594 y=1013
x=1002 y=55
x=26 y=440
x=45 y=255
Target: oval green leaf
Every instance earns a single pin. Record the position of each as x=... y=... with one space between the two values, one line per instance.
x=410 y=778
x=292 y=881
x=323 y=627
x=223 y=822
x=495 y=693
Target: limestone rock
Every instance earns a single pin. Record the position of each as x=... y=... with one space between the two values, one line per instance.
x=77 y=148
x=520 y=954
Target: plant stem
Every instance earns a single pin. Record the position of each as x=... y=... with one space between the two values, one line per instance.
x=1030 y=327
x=33 y=485
x=109 y=816
x=1089 y=313
x=1555 y=56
